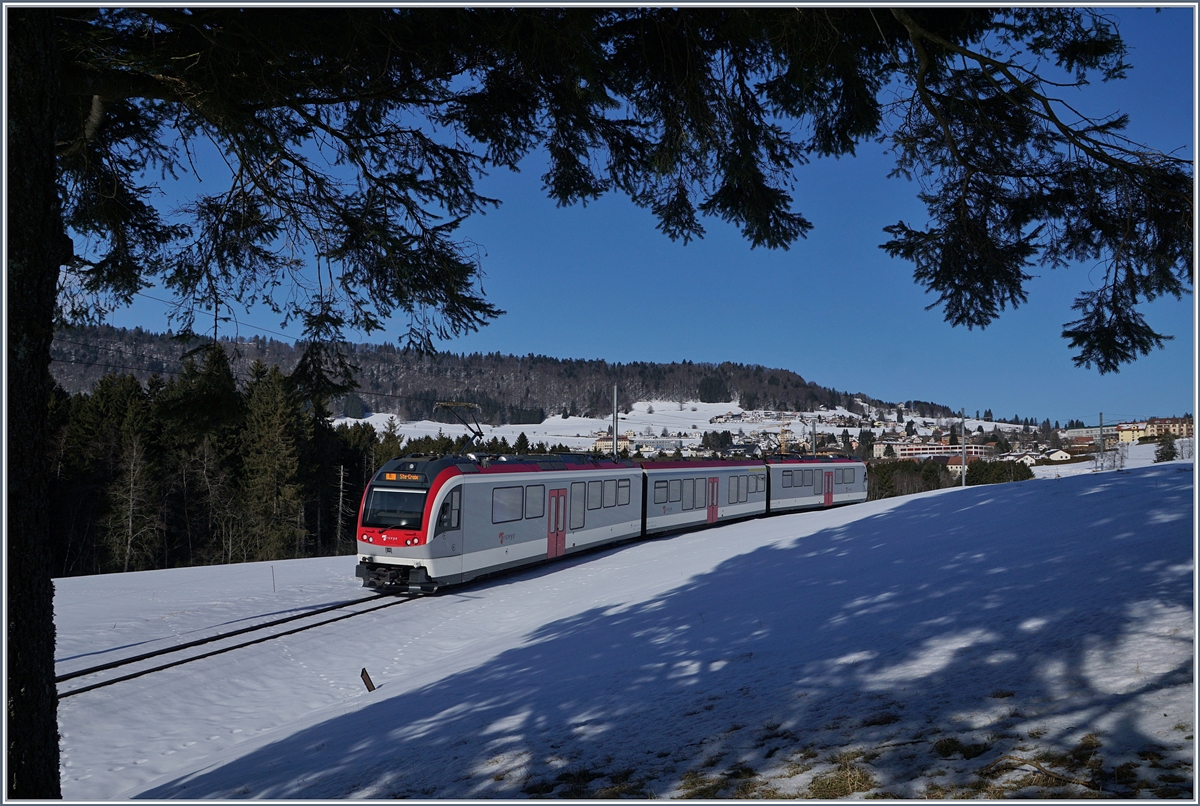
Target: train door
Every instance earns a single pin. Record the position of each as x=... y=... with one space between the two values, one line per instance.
x=713 y=490
x=556 y=524
x=828 y=488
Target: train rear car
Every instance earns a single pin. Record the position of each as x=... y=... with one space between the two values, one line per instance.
x=816 y=482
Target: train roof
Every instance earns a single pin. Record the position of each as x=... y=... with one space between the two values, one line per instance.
x=420 y=469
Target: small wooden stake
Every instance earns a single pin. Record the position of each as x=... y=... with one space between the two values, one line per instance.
x=366 y=678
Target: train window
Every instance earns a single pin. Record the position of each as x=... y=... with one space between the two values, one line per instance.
x=399 y=508
x=808 y=478
x=675 y=490
x=689 y=496
x=593 y=496
x=838 y=476
x=733 y=485
x=702 y=493
x=787 y=478
x=622 y=492
x=506 y=504
x=451 y=509
x=743 y=486
x=535 y=501
x=849 y=476
x=660 y=492
x=610 y=492
x=578 y=499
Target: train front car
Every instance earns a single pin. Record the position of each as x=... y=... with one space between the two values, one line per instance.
x=401 y=545
x=427 y=522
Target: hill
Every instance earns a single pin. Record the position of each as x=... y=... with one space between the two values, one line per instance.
x=509 y=389
x=1029 y=640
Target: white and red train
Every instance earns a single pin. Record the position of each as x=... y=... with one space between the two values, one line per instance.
x=428 y=522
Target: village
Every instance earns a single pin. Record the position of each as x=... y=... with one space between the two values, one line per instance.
x=890 y=435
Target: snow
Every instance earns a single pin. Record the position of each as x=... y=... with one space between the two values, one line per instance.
x=1025 y=620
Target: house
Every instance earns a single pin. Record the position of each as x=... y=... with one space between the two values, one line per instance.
x=1130 y=432
x=955 y=464
x=604 y=444
x=1179 y=426
x=1056 y=455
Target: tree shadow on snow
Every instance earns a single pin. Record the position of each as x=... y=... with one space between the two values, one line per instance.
x=938 y=611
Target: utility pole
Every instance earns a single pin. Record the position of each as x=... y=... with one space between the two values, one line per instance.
x=963 y=437
x=1101 y=440
x=615 y=455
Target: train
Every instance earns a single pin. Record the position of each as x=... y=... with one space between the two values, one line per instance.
x=430 y=522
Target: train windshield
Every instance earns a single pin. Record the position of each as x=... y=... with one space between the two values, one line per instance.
x=392 y=507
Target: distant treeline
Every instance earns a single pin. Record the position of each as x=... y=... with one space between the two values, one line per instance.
x=508 y=389
x=908 y=476
x=201 y=468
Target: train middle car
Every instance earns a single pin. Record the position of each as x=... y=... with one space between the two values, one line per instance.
x=428 y=522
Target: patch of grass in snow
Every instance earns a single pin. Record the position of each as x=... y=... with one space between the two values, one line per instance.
x=740 y=781
x=621 y=784
x=576 y=782
x=950 y=746
x=840 y=782
x=696 y=786
x=1002 y=693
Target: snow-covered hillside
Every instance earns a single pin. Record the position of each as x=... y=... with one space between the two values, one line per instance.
x=920 y=646
x=650 y=418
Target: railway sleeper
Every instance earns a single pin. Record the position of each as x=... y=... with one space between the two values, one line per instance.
x=401 y=578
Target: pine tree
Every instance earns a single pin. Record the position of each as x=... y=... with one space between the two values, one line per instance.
x=201 y=414
x=1166 y=448
x=270 y=488
x=391 y=442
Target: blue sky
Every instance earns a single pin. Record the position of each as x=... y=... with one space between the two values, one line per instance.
x=600 y=282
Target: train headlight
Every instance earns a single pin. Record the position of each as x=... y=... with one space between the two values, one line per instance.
x=370 y=540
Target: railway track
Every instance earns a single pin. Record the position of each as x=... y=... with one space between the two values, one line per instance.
x=146 y=659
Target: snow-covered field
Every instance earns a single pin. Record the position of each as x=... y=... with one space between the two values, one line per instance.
x=938 y=644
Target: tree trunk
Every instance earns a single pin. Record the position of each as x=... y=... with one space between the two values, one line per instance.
x=37 y=247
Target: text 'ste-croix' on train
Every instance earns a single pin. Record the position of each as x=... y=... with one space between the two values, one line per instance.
x=428 y=522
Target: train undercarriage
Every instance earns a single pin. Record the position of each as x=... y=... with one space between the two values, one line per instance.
x=397 y=578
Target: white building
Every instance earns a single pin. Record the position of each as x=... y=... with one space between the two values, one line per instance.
x=912 y=450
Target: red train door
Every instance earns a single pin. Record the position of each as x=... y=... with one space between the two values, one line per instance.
x=828 y=488
x=713 y=487
x=556 y=528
